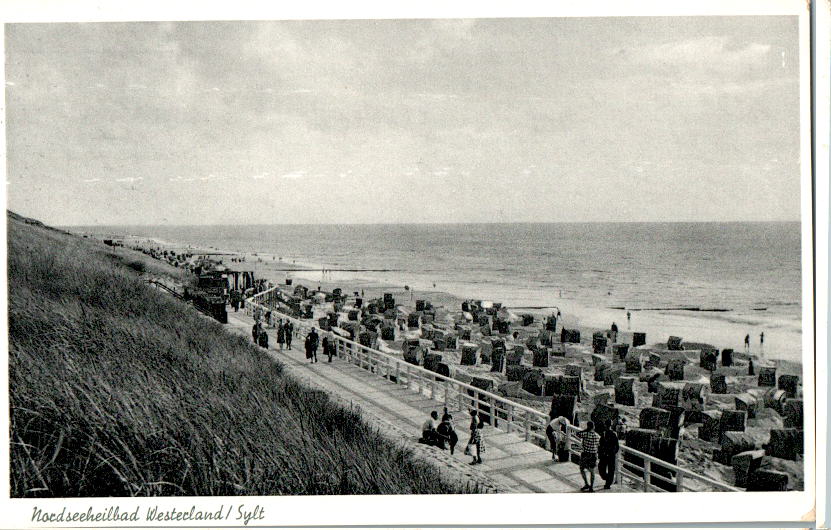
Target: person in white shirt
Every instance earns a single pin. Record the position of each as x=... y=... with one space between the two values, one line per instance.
x=557 y=433
x=428 y=429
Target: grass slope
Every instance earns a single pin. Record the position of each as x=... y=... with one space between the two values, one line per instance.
x=119 y=390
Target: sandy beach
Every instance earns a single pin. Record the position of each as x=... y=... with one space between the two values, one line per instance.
x=694 y=452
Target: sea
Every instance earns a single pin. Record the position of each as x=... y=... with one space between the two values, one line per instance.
x=706 y=282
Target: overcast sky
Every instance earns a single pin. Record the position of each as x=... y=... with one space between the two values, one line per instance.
x=500 y=120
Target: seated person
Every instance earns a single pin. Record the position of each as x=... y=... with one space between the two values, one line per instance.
x=429 y=435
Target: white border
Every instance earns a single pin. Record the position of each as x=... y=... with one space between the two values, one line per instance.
x=822 y=116
x=471 y=510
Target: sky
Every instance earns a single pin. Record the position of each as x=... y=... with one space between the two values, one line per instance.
x=404 y=121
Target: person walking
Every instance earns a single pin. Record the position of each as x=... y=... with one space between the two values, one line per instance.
x=762 y=342
x=446 y=431
x=588 y=455
x=628 y=320
x=327 y=348
x=557 y=433
x=255 y=331
x=289 y=333
x=281 y=335
x=474 y=418
x=607 y=454
x=747 y=342
x=308 y=346
x=476 y=444
x=314 y=342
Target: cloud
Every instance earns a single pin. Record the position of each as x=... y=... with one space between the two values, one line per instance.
x=91 y=180
x=129 y=179
x=711 y=53
x=293 y=175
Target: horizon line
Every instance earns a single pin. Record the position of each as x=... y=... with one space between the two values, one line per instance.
x=436 y=223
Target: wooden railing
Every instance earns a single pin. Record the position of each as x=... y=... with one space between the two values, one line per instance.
x=635 y=469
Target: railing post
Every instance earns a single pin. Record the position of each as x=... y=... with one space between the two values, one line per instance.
x=397 y=372
x=446 y=393
x=679 y=480
x=527 y=426
x=462 y=400
x=618 y=469
x=433 y=389
x=647 y=467
x=510 y=418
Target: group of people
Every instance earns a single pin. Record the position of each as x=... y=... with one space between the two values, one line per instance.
x=596 y=449
x=443 y=435
x=285 y=332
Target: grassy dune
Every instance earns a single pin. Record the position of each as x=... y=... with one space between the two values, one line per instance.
x=119 y=390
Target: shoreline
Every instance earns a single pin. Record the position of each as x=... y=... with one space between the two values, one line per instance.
x=783 y=339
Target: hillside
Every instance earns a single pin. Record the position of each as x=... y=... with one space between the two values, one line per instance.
x=119 y=390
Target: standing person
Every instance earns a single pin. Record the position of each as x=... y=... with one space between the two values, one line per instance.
x=628 y=320
x=326 y=348
x=281 y=335
x=314 y=339
x=474 y=419
x=762 y=342
x=750 y=369
x=607 y=454
x=308 y=346
x=588 y=454
x=747 y=342
x=289 y=332
x=255 y=331
x=477 y=443
x=557 y=433
x=447 y=432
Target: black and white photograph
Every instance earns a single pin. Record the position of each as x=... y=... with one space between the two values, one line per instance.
x=257 y=263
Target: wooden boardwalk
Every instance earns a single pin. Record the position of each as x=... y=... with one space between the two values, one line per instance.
x=510 y=463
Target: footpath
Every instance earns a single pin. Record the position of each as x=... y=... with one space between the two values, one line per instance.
x=511 y=465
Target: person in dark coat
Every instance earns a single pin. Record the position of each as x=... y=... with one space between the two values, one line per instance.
x=447 y=434
x=262 y=340
x=289 y=330
x=255 y=331
x=311 y=345
x=281 y=335
x=607 y=454
x=328 y=347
